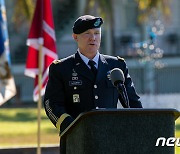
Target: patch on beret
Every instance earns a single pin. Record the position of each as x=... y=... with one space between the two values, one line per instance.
x=86 y=22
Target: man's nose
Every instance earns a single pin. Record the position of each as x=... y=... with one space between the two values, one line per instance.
x=92 y=37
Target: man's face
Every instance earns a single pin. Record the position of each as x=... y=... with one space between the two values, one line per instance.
x=89 y=41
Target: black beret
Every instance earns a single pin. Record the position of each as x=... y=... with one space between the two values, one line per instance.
x=86 y=22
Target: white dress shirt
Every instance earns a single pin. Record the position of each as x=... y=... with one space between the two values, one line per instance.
x=86 y=60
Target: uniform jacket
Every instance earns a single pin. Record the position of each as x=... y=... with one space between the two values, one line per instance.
x=71 y=87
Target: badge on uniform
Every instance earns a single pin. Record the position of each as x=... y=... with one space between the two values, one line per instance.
x=74 y=78
x=75 y=81
x=74 y=75
x=76 y=98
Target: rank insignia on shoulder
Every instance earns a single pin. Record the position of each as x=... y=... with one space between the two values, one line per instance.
x=56 y=61
x=120 y=58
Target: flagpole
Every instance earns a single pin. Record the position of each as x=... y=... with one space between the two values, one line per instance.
x=43 y=38
x=40 y=97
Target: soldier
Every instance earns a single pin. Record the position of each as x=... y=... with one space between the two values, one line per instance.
x=81 y=82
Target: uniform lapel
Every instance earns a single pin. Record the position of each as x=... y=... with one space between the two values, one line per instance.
x=102 y=68
x=82 y=68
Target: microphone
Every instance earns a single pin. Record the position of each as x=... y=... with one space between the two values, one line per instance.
x=117 y=79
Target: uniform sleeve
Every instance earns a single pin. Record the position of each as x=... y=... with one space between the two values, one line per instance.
x=134 y=99
x=54 y=99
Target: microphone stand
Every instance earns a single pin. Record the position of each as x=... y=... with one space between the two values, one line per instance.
x=123 y=93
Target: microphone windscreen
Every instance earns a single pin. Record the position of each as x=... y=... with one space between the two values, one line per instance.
x=116 y=76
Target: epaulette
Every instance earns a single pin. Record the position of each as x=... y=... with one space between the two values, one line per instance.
x=120 y=58
x=56 y=61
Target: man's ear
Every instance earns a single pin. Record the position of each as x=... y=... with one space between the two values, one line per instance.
x=75 y=37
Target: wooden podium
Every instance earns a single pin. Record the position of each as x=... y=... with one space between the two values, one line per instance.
x=120 y=131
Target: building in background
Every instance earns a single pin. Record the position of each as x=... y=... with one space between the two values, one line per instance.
x=151 y=50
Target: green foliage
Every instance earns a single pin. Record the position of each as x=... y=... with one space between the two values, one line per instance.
x=23 y=11
x=148 y=8
x=177 y=134
x=101 y=7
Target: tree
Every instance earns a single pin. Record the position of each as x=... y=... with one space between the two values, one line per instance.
x=104 y=8
x=23 y=11
x=152 y=7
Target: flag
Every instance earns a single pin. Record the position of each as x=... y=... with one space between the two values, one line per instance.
x=41 y=33
x=7 y=84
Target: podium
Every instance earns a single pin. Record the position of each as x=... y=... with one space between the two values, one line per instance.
x=120 y=131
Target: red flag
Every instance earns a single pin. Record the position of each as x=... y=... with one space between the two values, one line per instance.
x=41 y=33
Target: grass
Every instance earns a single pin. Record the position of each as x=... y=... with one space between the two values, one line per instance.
x=18 y=127
x=177 y=134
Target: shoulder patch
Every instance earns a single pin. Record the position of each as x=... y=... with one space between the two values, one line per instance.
x=56 y=61
x=120 y=58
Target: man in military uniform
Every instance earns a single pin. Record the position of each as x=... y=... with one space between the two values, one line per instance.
x=81 y=82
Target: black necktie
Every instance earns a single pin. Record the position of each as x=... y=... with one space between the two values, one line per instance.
x=91 y=63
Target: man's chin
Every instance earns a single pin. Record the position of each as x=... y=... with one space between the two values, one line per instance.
x=93 y=49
